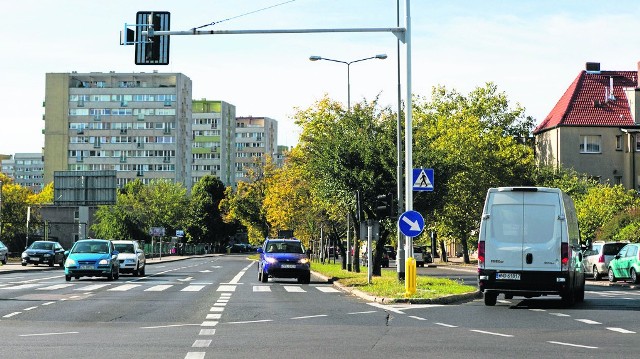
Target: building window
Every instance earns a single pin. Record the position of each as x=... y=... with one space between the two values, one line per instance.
x=619 y=143
x=590 y=144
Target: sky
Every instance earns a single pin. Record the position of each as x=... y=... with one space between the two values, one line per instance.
x=531 y=49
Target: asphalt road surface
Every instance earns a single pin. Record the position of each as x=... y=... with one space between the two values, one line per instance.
x=215 y=307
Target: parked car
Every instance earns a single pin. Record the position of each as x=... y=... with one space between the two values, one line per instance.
x=92 y=258
x=131 y=257
x=421 y=256
x=283 y=258
x=391 y=251
x=626 y=264
x=384 y=262
x=4 y=253
x=596 y=260
x=43 y=252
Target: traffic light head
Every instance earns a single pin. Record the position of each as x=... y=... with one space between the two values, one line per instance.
x=152 y=49
x=384 y=205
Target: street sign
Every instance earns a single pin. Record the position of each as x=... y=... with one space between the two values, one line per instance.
x=156 y=231
x=411 y=223
x=179 y=233
x=423 y=179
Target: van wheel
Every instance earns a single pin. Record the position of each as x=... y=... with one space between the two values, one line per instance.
x=490 y=298
x=612 y=277
x=634 y=276
x=596 y=274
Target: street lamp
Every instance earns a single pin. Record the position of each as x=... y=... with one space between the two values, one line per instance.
x=348 y=63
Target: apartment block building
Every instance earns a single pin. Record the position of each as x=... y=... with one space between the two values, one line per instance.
x=256 y=139
x=213 y=140
x=138 y=124
x=26 y=169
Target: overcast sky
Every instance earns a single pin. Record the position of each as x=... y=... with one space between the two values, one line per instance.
x=531 y=49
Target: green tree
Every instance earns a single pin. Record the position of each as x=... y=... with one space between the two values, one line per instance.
x=204 y=222
x=472 y=142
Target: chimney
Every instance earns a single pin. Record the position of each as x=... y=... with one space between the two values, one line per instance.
x=594 y=67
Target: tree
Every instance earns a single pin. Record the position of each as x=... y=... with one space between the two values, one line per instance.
x=204 y=222
x=472 y=144
x=600 y=204
x=348 y=152
x=139 y=207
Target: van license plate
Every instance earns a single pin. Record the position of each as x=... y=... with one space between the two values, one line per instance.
x=508 y=276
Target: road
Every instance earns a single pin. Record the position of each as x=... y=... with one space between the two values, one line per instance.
x=215 y=307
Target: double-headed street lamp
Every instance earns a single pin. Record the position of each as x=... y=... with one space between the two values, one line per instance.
x=348 y=63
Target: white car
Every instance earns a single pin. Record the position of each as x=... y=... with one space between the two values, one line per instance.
x=131 y=257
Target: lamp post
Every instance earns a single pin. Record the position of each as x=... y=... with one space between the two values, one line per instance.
x=348 y=63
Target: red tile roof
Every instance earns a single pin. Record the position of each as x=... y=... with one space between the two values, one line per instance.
x=584 y=103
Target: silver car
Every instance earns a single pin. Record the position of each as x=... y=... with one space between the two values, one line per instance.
x=4 y=253
x=131 y=257
x=596 y=260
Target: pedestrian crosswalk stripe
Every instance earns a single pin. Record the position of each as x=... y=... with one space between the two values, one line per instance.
x=294 y=289
x=328 y=289
x=54 y=287
x=158 y=288
x=124 y=287
x=192 y=288
x=92 y=287
x=261 y=288
x=23 y=286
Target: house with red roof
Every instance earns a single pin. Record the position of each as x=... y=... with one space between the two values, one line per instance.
x=595 y=127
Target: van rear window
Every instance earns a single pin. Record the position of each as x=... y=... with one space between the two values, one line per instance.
x=515 y=223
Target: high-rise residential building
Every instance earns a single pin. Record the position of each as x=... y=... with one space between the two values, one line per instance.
x=26 y=169
x=256 y=139
x=213 y=146
x=138 y=124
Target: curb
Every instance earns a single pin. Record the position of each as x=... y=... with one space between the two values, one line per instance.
x=449 y=299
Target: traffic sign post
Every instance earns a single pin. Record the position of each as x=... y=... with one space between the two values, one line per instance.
x=423 y=179
x=411 y=224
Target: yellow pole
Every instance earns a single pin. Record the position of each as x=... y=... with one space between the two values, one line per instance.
x=410 y=278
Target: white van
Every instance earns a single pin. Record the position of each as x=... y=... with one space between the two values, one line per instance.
x=529 y=245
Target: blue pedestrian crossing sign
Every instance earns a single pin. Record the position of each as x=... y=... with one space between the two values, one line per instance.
x=423 y=179
x=411 y=223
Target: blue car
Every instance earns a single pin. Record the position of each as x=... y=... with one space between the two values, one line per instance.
x=283 y=258
x=92 y=258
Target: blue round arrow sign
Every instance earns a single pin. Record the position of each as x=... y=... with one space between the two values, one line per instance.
x=411 y=223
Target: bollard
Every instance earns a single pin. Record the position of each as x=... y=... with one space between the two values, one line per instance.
x=410 y=277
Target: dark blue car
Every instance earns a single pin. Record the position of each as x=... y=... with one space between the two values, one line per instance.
x=283 y=258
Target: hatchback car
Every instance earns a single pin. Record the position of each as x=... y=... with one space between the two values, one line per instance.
x=131 y=257
x=626 y=264
x=596 y=260
x=4 y=253
x=283 y=258
x=421 y=256
x=92 y=258
x=391 y=251
x=43 y=252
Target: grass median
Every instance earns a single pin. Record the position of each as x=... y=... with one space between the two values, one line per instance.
x=388 y=286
